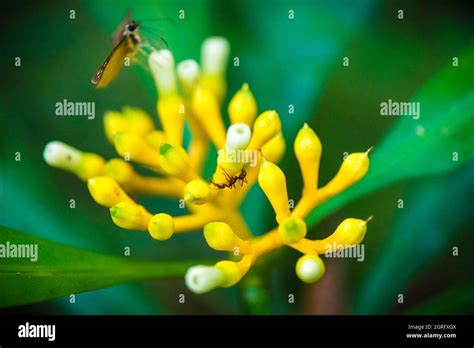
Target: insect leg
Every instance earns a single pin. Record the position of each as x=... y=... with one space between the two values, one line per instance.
x=156 y=35
x=141 y=59
x=227 y=175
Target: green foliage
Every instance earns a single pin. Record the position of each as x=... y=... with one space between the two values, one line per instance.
x=63 y=270
x=425 y=229
x=426 y=146
x=456 y=301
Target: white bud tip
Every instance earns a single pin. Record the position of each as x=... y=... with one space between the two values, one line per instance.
x=60 y=155
x=162 y=68
x=188 y=70
x=201 y=279
x=214 y=55
x=310 y=268
x=238 y=136
x=162 y=59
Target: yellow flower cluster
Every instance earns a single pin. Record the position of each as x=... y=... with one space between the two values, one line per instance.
x=247 y=153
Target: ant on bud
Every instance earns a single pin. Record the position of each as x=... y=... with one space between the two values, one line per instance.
x=232 y=180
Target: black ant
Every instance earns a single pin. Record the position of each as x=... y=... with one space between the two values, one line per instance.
x=232 y=180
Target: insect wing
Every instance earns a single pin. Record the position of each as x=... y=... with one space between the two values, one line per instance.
x=118 y=33
x=111 y=66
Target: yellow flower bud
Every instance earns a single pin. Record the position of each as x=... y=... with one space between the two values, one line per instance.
x=121 y=171
x=231 y=271
x=130 y=216
x=170 y=105
x=137 y=121
x=131 y=120
x=274 y=149
x=197 y=192
x=171 y=112
x=243 y=107
x=353 y=168
x=233 y=158
x=60 y=155
x=161 y=226
x=85 y=165
x=206 y=110
x=292 y=230
x=273 y=183
x=234 y=271
x=214 y=57
x=155 y=139
x=114 y=123
x=237 y=137
x=188 y=75
x=91 y=166
x=310 y=268
x=215 y=84
x=161 y=64
x=266 y=126
x=133 y=147
x=201 y=279
x=174 y=160
x=219 y=236
x=308 y=150
x=227 y=165
x=349 y=232
x=107 y=192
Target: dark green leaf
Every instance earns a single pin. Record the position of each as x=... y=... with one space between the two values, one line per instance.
x=62 y=270
x=425 y=229
x=459 y=300
x=426 y=146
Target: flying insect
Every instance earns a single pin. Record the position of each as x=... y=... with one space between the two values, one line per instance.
x=127 y=42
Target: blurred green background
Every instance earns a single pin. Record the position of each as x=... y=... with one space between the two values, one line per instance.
x=298 y=62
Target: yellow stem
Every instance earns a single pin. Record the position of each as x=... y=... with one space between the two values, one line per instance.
x=189 y=176
x=268 y=242
x=245 y=247
x=169 y=187
x=198 y=149
x=306 y=246
x=307 y=203
x=252 y=177
x=199 y=144
x=237 y=223
x=193 y=222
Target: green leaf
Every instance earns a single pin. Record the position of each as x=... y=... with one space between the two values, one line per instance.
x=435 y=214
x=425 y=146
x=62 y=270
x=459 y=300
